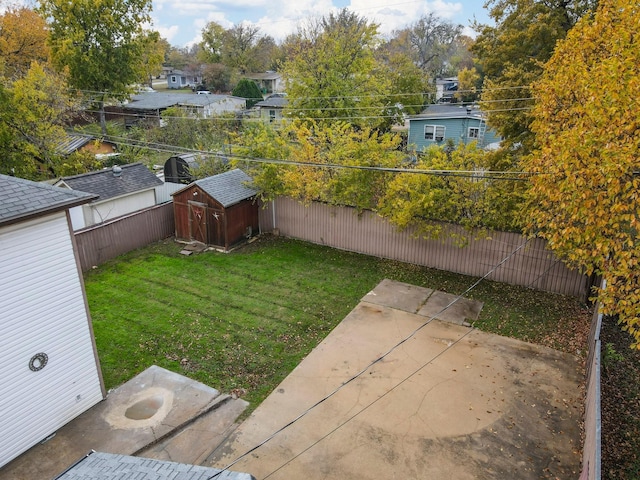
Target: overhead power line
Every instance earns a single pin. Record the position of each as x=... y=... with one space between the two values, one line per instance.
x=473 y=174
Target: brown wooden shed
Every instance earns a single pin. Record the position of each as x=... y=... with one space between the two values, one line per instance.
x=220 y=210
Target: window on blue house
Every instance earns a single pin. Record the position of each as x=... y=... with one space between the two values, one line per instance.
x=474 y=132
x=434 y=132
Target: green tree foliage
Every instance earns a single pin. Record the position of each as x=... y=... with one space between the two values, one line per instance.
x=512 y=54
x=471 y=199
x=213 y=36
x=321 y=145
x=248 y=89
x=430 y=42
x=409 y=87
x=33 y=112
x=100 y=43
x=585 y=200
x=153 y=54
x=332 y=72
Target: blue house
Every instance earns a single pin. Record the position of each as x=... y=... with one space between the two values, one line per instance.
x=439 y=123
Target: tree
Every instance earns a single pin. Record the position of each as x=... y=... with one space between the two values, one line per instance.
x=409 y=87
x=217 y=77
x=100 y=43
x=512 y=53
x=33 y=113
x=23 y=40
x=333 y=72
x=430 y=42
x=585 y=199
x=317 y=148
x=238 y=47
x=248 y=89
x=153 y=53
x=425 y=201
x=213 y=38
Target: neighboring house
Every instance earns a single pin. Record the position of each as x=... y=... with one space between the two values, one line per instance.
x=78 y=142
x=220 y=210
x=151 y=105
x=268 y=82
x=49 y=368
x=183 y=79
x=121 y=190
x=439 y=123
x=446 y=89
x=271 y=109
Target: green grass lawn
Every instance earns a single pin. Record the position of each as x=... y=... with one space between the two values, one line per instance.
x=244 y=320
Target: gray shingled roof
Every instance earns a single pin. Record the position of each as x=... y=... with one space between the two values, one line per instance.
x=109 y=466
x=135 y=177
x=275 y=102
x=228 y=188
x=21 y=199
x=159 y=101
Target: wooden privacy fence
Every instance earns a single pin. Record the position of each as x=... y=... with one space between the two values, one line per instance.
x=100 y=243
x=592 y=451
x=342 y=227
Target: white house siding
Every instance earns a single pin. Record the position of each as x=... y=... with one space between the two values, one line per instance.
x=77 y=218
x=99 y=212
x=42 y=310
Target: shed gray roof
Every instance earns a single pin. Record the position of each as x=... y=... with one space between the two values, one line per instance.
x=109 y=466
x=22 y=199
x=134 y=177
x=228 y=188
x=159 y=100
x=72 y=142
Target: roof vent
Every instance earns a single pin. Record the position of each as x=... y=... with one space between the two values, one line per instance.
x=117 y=171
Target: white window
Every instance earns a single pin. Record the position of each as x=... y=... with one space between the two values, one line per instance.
x=173 y=79
x=474 y=132
x=434 y=132
x=272 y=115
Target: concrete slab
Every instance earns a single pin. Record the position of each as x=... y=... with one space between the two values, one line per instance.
x=450 y=402
x=440 y=305
x=170 y=401
x=398 y=295
x=194 y=443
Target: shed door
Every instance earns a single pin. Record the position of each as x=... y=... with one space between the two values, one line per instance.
x=48 y=370
x=217 y=228
x=198 y=222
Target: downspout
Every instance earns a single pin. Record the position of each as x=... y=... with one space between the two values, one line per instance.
x=273 y=214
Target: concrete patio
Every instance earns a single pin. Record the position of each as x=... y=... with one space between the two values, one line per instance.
x=443 y=401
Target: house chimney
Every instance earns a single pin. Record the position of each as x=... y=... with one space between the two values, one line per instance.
x=117 y=171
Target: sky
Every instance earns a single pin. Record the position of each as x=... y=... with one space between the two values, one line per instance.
x=181 y=21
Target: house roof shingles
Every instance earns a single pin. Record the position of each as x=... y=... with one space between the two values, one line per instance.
x=134 y=177
x=273 y=102
x=109 y=466
x=159 y=101
x=228 y=188
x=22 y=199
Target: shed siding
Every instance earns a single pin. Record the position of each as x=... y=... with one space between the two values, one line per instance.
x=42 y=310
x=225 y=227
